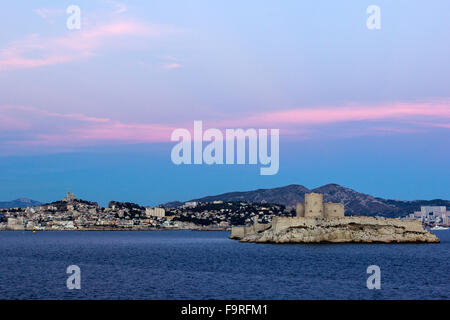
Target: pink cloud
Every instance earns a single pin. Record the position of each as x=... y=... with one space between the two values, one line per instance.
x=168 y=63
x=37 y=51
x=107 y=133
x=41 y=127
x=326 y=115
x=75 y=116
x=38 y=127
x=9 y=123
x=131 y=132
x=171 y=66
x=348 y=121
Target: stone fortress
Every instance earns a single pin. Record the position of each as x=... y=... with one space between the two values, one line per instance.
x=316 y=221
x=315 y=208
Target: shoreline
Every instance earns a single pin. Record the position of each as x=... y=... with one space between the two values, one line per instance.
x=114 y=229
x=343 y=229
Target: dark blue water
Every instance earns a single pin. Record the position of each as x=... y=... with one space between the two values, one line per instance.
x=207 y=265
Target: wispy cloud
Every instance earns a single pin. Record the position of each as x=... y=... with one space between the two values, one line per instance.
x=352 y=113
x=170 y=66
x=171 y=63
x=118 y=6
x=36 y=50
x=46 y=13
x=351 y=120
x=33 y=110
x=38 y=127
x=166 y=63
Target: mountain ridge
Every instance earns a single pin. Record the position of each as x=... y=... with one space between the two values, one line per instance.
x=356 y=203
x=19 y=203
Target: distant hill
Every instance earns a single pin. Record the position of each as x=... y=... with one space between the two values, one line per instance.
x=355 y=203
x=288 y=195
x=172 y=204
x=19 y=203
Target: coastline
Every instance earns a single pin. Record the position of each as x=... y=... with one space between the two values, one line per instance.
x=121 y=229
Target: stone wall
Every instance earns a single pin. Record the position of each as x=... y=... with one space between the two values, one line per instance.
x=300 y=210
x=238 y=232
x=281 y=223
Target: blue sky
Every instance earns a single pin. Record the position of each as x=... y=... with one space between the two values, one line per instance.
x=92 y=109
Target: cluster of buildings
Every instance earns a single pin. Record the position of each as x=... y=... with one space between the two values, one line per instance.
x=432 y=215
x=74 y=214
x=226 y=214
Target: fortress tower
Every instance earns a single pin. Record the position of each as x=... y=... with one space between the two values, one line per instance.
x=314 y=205
x=333 y=210
x=315 y=208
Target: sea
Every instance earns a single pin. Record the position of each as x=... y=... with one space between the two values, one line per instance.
x=208 y=265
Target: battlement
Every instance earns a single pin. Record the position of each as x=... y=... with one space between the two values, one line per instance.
x=309 y=213
x=316 y=222
x=238 y=232
x=315 y=208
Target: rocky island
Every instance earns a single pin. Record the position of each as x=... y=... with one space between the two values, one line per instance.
x=317 y=222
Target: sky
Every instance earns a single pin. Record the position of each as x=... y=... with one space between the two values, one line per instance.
x=93 y=109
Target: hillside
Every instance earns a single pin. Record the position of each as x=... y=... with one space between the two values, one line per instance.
x=355 y=203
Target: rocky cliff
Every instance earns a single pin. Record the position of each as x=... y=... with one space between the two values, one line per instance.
x=347 y=229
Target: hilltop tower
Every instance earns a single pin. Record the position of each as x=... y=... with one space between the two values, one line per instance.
x=70 y=197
